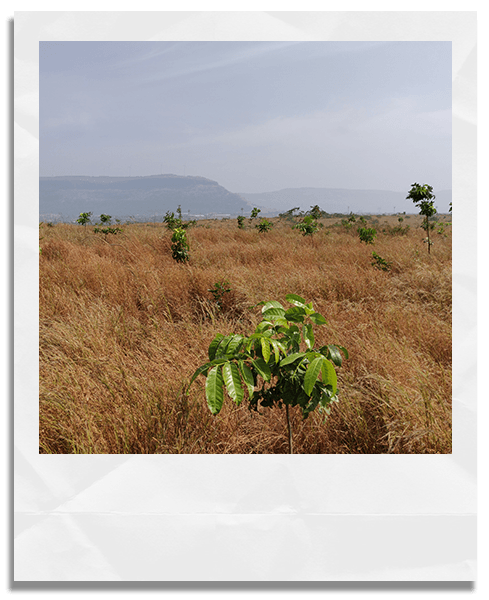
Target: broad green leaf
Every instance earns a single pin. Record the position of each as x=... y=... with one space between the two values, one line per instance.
x=292 y=358
x=265 y=349
x=280 y=322
x=272 y=314
x=308 y=334
x=221 y=350
x=276 y=349
x=203 y=369
x=218 y=361
x=335 y=355
x=247 y=377
x=328 y=374
x=295 y=299
x=263 y=369
x=272 y=304
x=213 y=346
x=263 y=326
x=312 y=373
x=213 y=390
x=318 y=319
x=234 y=344
x=344 y=350
x=295 y=314
x=232 y=380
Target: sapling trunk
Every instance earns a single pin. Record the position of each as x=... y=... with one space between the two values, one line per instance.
x=289 y=429
x=428 y=230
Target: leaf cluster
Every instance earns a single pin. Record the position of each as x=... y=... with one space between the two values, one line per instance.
x=423 y=197
x=84 y=218
x=173 y=222
x=271 y=366
x=264 y=225
x=107 y=230
x=179 y=245
x=380 y=263
x=308 y=226
x=367 y=234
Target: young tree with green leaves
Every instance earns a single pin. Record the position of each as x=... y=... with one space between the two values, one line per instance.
x=254 y=214
x=423 y=197
x=179 y=246
x=271 y=366
x=308 y=226
x=264 y=225
x=84 y=218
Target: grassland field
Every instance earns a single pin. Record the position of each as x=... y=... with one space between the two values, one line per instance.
x=123 y=327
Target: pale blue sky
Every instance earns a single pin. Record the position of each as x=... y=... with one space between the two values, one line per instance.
x=254 y=116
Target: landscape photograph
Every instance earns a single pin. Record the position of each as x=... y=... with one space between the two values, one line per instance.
x=245 y=247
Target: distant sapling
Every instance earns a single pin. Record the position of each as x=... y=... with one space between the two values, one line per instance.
x=423 y=197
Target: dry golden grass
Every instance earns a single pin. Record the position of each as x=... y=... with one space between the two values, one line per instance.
x=123 y=327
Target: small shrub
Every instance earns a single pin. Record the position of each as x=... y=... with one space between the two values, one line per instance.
x=240 y=220
x=264 y=225
x=84 y=218
x=105 y=219
x=380 y=263
x=367 y=234
x=270 y=366
x=107 y=230
x=308 y=226
x=218 y=290
x=179 y=247
x=254 y=214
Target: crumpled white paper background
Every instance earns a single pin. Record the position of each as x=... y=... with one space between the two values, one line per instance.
x=244 y=518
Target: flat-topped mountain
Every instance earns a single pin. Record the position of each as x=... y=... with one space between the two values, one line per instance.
x=68 y=196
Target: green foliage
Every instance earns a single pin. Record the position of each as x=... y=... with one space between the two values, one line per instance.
x=441 y=228
x=270 y=366
x=315 y=212
x=84 y=218
x=289 y=214
x=173 y=222
x=423 y=197
x=352 y=218
x=308 y=226
x=240 y=219
x=105 y=219
x=218 y=290
x=254 y=214
x=380 y=263
x=264 y=225
x=179 y=247
x=367 y=234
x=107 y=230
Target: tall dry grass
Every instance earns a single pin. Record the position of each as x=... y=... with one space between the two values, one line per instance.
x=123 y=327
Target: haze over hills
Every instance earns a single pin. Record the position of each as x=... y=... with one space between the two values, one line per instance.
x=144 y=197
x=333 y=200
x=136 y=196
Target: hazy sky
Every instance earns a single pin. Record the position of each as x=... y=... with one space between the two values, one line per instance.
x=254 y=116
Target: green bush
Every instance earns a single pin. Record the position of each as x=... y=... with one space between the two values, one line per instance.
x=367 y=234
x=270 y=365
